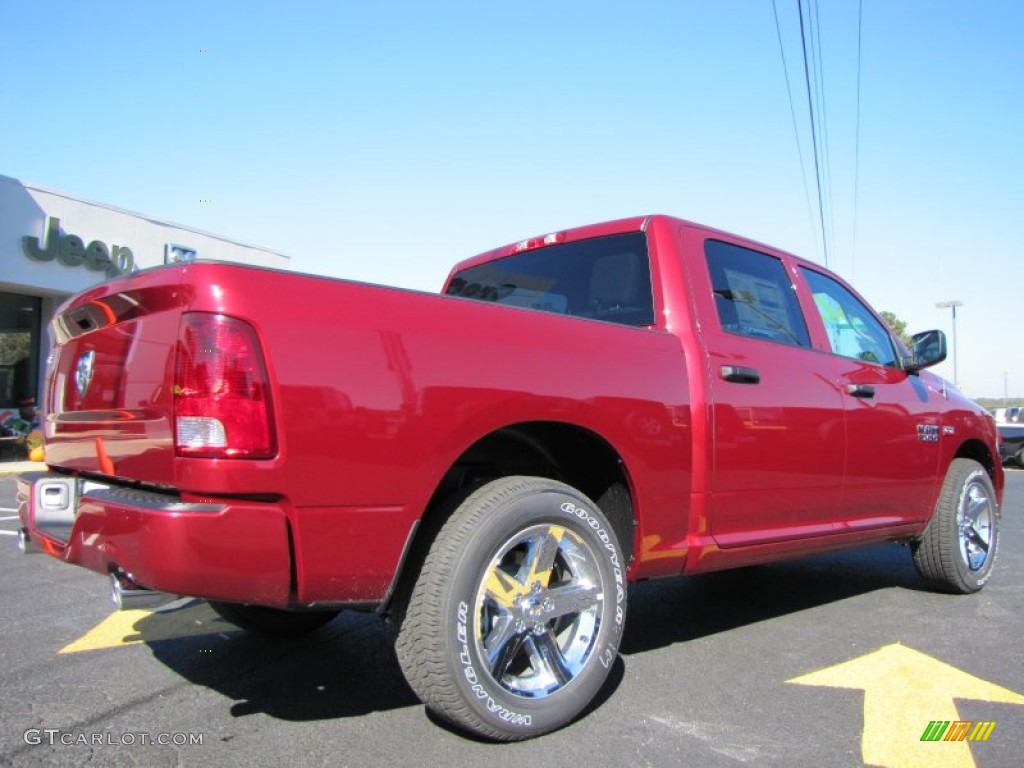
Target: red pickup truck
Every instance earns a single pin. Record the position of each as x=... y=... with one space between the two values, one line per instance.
x=490 y=468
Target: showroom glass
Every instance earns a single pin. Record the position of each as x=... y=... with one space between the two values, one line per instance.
x=19 y=348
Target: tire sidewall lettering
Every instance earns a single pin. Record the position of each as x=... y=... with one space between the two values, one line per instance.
x=613 y=556
x=469 y=672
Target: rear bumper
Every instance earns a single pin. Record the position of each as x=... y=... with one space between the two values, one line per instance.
x=236 y=551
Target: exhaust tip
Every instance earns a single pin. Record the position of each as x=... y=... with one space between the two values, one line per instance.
x=127 y=596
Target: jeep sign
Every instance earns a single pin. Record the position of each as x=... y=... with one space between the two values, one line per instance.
x=72 y=251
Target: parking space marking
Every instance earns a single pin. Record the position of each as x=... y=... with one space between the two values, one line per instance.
x=904 y=692
x=137 y=626
x=115 y=630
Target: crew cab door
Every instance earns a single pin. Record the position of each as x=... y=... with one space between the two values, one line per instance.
x=892 y=417
x=777 y=429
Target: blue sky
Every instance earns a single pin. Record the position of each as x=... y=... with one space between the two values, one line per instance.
x=385 y=141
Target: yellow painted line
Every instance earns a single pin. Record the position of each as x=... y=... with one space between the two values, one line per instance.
x=117 y=629
x=134 y=627
x=904 y=690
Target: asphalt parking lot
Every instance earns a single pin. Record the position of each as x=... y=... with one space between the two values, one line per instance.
x=838 y=660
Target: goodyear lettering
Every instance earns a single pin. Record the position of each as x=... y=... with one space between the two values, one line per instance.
x=613 y=556
x=468 y=671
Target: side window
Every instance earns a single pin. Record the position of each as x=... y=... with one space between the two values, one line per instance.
x=754 y=296
x=852 y=330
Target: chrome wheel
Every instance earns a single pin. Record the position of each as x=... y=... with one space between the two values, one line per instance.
x=537 y=610
x=974 y=521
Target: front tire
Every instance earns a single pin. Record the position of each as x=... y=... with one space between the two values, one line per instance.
x=515 y=618
x=957 y=550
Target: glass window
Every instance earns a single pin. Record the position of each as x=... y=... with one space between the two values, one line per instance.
x=604 y=278
x=754 y=296
x=19 y=349
x=853 y=331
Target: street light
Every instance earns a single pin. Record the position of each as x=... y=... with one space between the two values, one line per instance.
x=952 y=305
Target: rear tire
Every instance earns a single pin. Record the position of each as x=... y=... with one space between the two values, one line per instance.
x=515 y=618
x=957 y=550
x=272 y=621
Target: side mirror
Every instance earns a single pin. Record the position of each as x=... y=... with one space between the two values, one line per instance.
x=926 y=349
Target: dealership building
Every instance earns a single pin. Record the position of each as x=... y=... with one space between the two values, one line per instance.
x=53 y=245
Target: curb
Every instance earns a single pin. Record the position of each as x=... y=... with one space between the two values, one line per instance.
x=17 y=467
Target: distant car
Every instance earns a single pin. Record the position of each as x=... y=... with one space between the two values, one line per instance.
x=1011 y=443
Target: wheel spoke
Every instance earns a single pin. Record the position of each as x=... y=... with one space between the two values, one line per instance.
x=541 y=556
x=570 y=600
x=976 y=505
x=975 y=527
x=975 y=548
x=502 y=645
x=971 y=535
x=545 y=654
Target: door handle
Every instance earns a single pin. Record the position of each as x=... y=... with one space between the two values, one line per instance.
x=741 y=375
x=860 y=390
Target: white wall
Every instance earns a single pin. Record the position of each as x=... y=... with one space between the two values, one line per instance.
x=25 y=209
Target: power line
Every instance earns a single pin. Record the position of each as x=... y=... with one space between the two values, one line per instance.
x=856 y=143
x=818 y=68
x=792 y=114
x=814 y=131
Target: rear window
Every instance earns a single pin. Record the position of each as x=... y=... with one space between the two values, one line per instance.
x=604 y=278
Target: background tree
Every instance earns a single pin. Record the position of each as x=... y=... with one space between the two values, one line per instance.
x=898 y=326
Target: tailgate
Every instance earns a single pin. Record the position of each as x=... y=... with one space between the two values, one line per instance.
x=109 y=399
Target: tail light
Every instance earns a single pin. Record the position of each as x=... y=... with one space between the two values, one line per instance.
x=222 y=406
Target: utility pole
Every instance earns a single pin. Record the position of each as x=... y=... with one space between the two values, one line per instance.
x=953 y=304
